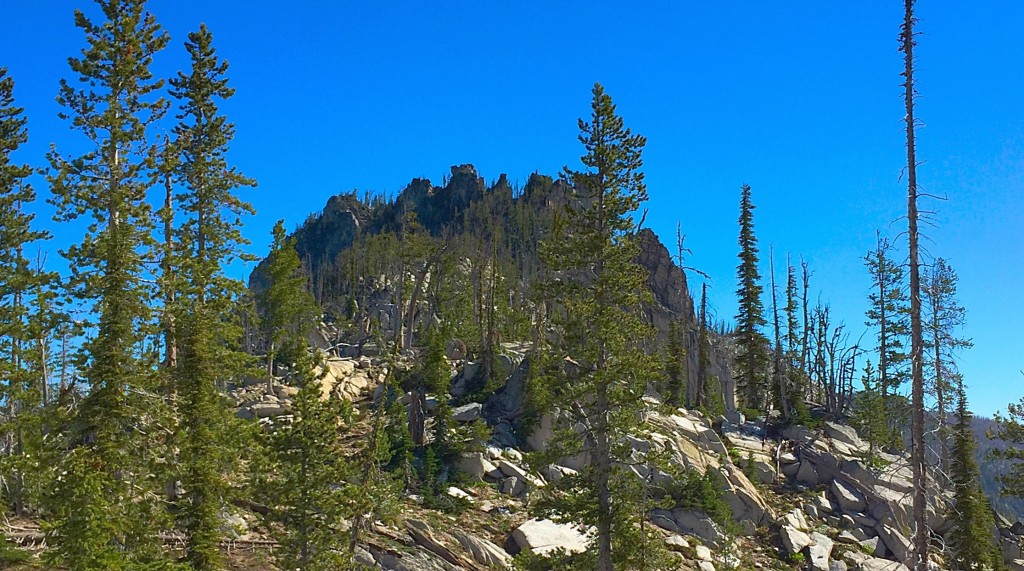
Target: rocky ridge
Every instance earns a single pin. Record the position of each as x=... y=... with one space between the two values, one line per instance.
x=806 y=498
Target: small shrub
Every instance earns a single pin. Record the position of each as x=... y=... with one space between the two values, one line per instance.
x=702 y=492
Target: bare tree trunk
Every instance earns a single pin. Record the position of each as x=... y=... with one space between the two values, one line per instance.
x=778 y=373
x=917 y=457
x=940 y=390
x=805 y=347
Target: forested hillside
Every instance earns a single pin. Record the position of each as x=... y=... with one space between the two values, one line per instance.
x=463 y=376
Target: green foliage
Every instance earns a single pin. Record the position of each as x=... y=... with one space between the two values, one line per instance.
x=888 y=313
x=204 y=299
x=596 y=371
x=749 y=470
x=558 y=559
x=972 y=538
x=752 y=360
x=27 y=315
x=105 y=504
x=675 y=365
x=715 y=405
x=285 y=306
x=307 y=484
x=868 y=414
x=10 y=554
x=1010 y=428
x=705 y=492
x=943 y=315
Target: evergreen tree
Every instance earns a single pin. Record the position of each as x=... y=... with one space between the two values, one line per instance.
x=971 y=539
x=283 y=312
x=25 y=312
x=1010 y=428
x=104 y=505
x=752 y=361
x=675 y=364
x=943 y=316
x=306 y=478
x=600 y=372
x=869 y=412
x=888 y=313
x=204 y=309
x=307 y=488
x=797 y=379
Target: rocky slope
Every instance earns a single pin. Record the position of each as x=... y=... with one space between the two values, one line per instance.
x=804 y=499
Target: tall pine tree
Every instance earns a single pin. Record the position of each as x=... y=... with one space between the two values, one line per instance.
x=208 y=334
x=306 y=480
x=943 y=316
x=105 y=500
x=600 y=371
x=752 y=361
x=888 y=312
x=24 y=311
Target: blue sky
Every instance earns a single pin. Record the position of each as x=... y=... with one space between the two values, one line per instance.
x=804 y=105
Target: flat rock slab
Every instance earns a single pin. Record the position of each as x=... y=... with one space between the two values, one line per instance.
x=876 y=564
x=542 y=536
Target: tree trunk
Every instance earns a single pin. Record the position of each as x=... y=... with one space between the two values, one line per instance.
x=602 y=471
x=170 y=343
x=804 y=345
x=777 y=371
x=917 y=458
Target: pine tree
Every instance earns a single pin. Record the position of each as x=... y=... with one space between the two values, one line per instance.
x=869 y=412
x=104 y=503
x=600 y=373
x=307 y=473
x=944 y=315
x=208 y=336
x=25 y=312
x=675 y=362
x=1010 y=428
x=888 y=312
x=282 y=311
x=918 y=463
x=971 y=539
x=307 y=487
x=799 y=413
x=752 y=361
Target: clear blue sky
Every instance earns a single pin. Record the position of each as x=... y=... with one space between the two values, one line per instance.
x=804 y=105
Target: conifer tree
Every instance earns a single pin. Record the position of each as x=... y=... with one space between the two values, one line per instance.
x=208 y=336
x=104 y=503
x=797 y=379
x=971 y=539
x=282 y=310
x=600 y=372
x=25 y=313
x=869 y=412
x=674 y=364
x=944 y=315
x=888 y=313
x=752 y=361
x=704 y=396
x=1010 y=428
x=306 y=478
